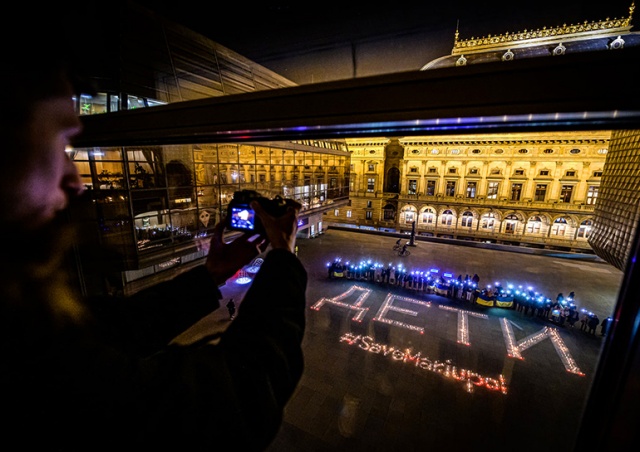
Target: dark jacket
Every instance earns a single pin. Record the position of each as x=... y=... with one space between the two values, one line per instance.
x=100 y=375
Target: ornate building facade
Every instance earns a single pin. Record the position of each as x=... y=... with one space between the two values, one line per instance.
x=588 y=36
x=537 y=190
x=531 y=189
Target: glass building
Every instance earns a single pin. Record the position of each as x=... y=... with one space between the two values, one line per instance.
x=153 y=203
x=156 y=205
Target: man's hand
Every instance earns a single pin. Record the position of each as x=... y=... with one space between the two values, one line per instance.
x=281 y=231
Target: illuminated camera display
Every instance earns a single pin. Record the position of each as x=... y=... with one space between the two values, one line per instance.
x=240 y=215
x=242 y=218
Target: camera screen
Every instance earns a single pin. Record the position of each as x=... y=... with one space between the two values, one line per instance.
x=243 y=218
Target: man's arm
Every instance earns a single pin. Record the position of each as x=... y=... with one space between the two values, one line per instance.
x=238 y=387
x=147 y=321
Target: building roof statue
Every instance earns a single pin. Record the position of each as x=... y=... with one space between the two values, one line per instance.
x=607 y=34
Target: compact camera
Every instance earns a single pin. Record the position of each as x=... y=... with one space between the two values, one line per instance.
x=241 y=217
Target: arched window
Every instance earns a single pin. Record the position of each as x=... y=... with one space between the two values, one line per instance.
x=510 y=224
x=533 y=225
x=584 y=231
x=488 y=222
x=446 y=218
x=559 y=227
x=389 y=212
x=393 y=181
x=428 y=216
x=467 y=219
x=409 y=214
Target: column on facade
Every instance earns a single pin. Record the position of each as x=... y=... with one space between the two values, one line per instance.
x=404 y=188
x=463 y=183
x=508 y=175
x=485 y=179
x=583 y=185
x=531 y=183
x=557 y=184
x=443 y=180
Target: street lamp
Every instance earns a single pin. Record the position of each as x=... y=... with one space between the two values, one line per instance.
x=413 y=234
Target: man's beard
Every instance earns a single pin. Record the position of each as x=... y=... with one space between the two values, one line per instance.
x=45 y=243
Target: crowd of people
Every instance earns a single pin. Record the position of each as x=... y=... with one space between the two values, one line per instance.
x=416 y=280
x=561 y=310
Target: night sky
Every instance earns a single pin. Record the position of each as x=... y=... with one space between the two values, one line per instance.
x=317 y=42
x=268 y=30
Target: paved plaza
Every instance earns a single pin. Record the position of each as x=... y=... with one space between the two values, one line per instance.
x=391 y=369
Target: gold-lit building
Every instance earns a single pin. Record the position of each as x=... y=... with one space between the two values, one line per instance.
x=527 y=189
x=532 y=189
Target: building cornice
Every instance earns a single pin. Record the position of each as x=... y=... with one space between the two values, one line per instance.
x=544 y=36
